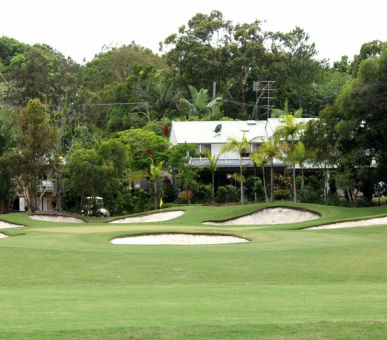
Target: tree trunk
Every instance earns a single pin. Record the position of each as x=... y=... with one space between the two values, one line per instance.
x=241 y=174
x=255 y=176
x=213 y=182
x=264 y=184
x=272 y=182
x=294 y=183
x=155 y=194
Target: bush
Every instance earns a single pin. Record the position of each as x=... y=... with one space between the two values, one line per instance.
x=281 y=194
x=169 y=195
x=141 y=202
x=258 y=189
x=206 y=191
x=282 y=187
x=122 y=204
x=226 y=194
x=310 y=195
x=333 y=198
x=364 y=202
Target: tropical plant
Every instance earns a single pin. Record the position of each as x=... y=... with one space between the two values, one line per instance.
x=272 y=149
x=239 y=146
x=300 y=155
x=289 y=129
x=201 y=105
x=212 y=166
x=277 y=113
x=260 y=159
x=155 y=172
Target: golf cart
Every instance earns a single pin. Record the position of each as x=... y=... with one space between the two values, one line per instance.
x=95 y=207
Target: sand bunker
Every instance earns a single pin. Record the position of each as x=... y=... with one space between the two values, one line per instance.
x=55 y=218
x=278 y=215
x=156 y=217
x=4 y=225
x=178 y=239
x=3 y=235
x=350 y=224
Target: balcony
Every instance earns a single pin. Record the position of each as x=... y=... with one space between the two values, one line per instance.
x=46 y=185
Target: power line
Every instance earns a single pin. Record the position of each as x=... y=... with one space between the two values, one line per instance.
x=110 y=104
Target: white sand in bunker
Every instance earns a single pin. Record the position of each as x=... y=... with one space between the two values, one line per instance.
x=277 y=215
x=156 y=217
x=4 y=225
x=54 y=218
x=3 y=235
x=350 y=224
x=178 y=239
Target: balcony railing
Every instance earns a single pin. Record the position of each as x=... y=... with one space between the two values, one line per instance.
x=46 y=185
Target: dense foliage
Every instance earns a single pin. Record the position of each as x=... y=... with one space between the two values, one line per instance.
x=58 y=116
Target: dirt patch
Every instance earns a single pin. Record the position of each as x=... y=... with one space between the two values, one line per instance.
x=156 y=217
x=6 y=225
x=279 y=215
x=178 y=239
x=52 y=218
x=351 y=224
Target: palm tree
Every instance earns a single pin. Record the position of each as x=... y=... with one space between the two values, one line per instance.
x=158 y=97
x=272 y=149
x=240 y=147
x=260 y=159
x=155 y=172
x=300 y=155
x=212 y=166
x=276 y=113
x=201 y=104
x=289 y=130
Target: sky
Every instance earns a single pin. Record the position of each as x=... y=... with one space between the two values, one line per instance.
x=80 y=28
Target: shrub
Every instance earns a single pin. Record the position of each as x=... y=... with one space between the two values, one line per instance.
x=281 y=194
x=226 y=194
x=258 y=189
x=310 y=195
x=333 y=198
x=169 y=195
x=206 y=191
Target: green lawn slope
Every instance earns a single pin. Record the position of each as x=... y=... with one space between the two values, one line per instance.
x=67 y=281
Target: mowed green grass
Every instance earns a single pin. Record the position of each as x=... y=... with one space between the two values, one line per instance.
x=67 y=281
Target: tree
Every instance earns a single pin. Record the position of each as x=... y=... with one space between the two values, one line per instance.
x=7 y=143
x=239 y=146
x=350 y=134
x=271 y=149
x=212 y=166
x=145 y=146
x=260 y=158
x=184 y=173
x=290 y=128
x=211 y=49
x=159 y=97
x=299 y=63
x=201 y=105
x=155 y=172
x=9 y=48
x=99 y=171
x=115 y=64
x=34 y=151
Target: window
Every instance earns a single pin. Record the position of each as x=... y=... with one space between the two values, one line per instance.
x=202 y=147
x=206 y=146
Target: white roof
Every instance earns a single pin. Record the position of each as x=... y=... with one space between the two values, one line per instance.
x=203 y=132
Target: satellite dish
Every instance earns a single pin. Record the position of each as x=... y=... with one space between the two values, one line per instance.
x=218 y=128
